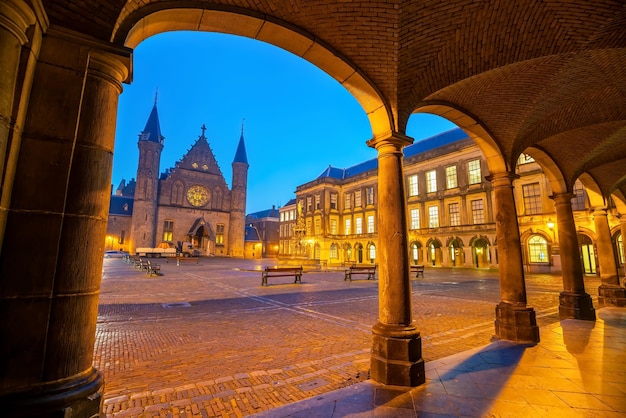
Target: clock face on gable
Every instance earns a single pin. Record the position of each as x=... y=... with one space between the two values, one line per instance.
x=197 y=195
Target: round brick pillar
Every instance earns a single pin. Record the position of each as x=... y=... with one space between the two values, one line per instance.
x=574 y=302
x=60 y=201
x=397 y=346
x=515 y=320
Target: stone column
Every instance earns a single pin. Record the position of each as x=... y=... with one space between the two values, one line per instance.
x=622 y=225
x=20 y=36
x=397 y=346
x=515 y=320
x=574 y=302
x=51 y=263
x=610 y=293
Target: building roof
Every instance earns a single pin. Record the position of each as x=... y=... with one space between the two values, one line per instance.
x=424 y=145
x=267 y=213
x=152 y=131
x=252 y=234
x=121 y=205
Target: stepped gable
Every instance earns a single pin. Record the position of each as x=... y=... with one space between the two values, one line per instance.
x=200 y=157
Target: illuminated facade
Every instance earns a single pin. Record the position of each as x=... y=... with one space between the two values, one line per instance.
x=450 y=212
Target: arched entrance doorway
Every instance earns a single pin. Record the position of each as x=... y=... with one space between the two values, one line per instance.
x=415 y=253
x=358 y=247
x=455 y=252
x=480 y=252
x=434 y=252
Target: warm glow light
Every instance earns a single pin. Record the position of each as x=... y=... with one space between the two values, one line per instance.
x=550 y=225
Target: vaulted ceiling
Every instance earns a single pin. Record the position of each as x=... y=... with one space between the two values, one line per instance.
x=549 y=74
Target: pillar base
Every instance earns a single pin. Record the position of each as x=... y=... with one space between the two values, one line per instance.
x=611 y=295
x=78 y=397
x=516 y=323
x=397 y=356
x=576 y=306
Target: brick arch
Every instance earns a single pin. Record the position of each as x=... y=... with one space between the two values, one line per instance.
x=139 y=26
x=553 y=172
x=490 y=148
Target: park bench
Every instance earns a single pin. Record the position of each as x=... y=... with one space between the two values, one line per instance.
x=281 y=271
x=417 y=269
x=182 y=260
x=152 y=269
x=369 y=269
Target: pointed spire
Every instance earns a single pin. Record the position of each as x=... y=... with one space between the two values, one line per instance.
x=152 y=131
x=240 y=155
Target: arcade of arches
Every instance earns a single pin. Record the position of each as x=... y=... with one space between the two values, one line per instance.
x=544 y=78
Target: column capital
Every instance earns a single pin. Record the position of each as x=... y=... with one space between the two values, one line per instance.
x=503 y=179
x=16 y=16
x=565 y=197
x=393 y=139
x=111 y=67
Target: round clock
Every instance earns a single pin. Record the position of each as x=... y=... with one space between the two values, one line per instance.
x=197 y=195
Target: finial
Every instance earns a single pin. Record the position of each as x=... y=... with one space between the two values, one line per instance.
x=242 y=122
x=203 y=127
x=156 y=95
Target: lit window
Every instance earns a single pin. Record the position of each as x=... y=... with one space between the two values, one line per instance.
x=451 y=179
x=308 y=204
x=372 y=251
x=454 y=214
x=333 y=226
x=473 y=168
x=478 y=213
x=433 y=217
x=358 y=223
x=308 y=227
x=532 y=198
x=219 y=234
x=370 y=224
x=538 y=249
x=413 y=190
x=318 y=226
x=415 y=219
x=347 y=200
x=431 y=181
x=282 y=216
x=357 y=199
x=524 y=159
x=580 y=196
x=168 y=231
x=348 y=227
x=370 y=195
x=333 y=250
x=317 y=202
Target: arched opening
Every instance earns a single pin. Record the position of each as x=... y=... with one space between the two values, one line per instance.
x=434 y=252
x=455 y=252
x=481 y=257
x=358 y=248
x=587 y=254
x=415 y=253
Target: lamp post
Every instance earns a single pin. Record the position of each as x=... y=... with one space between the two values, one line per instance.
x=550 y=226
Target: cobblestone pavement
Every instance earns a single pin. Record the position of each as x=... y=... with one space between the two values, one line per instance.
x=207 y=340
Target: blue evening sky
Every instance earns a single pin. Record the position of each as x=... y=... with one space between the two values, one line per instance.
x=298 y=119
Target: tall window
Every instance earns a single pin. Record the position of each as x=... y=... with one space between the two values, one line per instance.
x=358 y=225
x=578 y=202
x=219 y=234
x=357 y=199
x=478 y=213
x=318 y=201
x=532 y=198
x=348 y=227
x=333 y=250
x=369 y=195
x=333 y=200
x=433 y=217
x=537 y=249
x=333 y=226
x=431 y=181
x=372 y=252
x=415 y=219
x=308 y=204
x=347 y=200
x=168 y=231
x=473 y=167
x=413 y=191
x=451 y=179
x=454 y=214
x=318 y=226
x=309 y=227
x=370 y=224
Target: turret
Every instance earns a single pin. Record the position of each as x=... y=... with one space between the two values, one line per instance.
x=144 y=221
x=236 y=233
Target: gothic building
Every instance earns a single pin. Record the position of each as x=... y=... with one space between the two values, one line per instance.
x=190 y=202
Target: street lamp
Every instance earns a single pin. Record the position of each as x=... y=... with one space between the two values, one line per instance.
x=550 y=225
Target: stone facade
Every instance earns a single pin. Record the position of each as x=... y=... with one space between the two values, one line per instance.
x=190 y=202
x=450 y=212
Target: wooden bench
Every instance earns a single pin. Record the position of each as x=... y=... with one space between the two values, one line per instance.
x=281 y=271
x=370 y=270
x=152 y=269
x=417 y=269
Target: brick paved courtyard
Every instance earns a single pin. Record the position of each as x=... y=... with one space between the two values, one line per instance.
x=208 y=340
